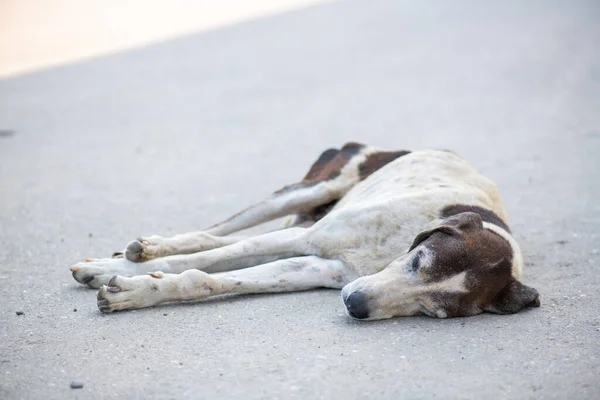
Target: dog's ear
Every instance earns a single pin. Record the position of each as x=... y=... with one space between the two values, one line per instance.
x=455 y=225
x=513 y=298
x=466 y=221
x=422 y=236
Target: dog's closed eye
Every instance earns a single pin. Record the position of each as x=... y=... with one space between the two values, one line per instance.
x=416 y=262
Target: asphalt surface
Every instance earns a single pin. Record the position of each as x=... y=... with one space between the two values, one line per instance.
x=176 y=136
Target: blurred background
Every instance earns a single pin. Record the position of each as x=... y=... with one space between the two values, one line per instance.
x=121 y=119
x=36 y=34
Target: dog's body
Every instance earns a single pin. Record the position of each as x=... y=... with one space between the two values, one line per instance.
x=402 y=233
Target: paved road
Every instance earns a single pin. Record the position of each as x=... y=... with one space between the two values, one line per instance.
x=172 y=137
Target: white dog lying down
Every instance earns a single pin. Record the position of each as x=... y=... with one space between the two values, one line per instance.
x=401 y=233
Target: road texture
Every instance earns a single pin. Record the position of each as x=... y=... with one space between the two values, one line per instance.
x=173 y=137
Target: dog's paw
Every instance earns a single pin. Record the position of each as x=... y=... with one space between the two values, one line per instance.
x=124 y=293
x=144 y=249
x=97 y=272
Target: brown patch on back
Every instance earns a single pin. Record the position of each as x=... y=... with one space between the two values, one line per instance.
x=377 y=160
x=329 y=164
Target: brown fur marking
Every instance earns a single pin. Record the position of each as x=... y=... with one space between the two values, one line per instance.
x=486 y=215
x=377 y=160
x=329 y=164
x=460 y=244
x=327 y=167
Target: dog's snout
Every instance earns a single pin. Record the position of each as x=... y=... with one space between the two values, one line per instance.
x=356 y=303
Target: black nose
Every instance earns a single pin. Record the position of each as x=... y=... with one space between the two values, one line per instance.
x=356 y=304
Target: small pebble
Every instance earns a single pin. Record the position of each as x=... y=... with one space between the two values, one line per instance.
x=4 y=133
x=76 y=385
x=20 y=313
x=74 y=310
x=165 y=314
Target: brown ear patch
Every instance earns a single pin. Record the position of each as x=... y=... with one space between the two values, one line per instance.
x=486 y=215
x=422 y=236
x=455 y=225
x=513 y=298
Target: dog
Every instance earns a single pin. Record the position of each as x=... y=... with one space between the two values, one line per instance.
x=401 y=233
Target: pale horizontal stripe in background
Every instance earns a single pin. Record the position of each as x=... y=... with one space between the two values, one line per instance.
x=37 y=34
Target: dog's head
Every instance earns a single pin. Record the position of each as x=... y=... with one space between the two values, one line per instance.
x=458 y=268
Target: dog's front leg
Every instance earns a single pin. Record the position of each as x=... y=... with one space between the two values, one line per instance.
x=245 y=253
x=294 y=274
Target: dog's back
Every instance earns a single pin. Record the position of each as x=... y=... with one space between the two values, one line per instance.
x=380 y=216
x=433 y=176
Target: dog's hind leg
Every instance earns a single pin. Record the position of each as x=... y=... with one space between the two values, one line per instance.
x=294 y=274
x=329 y=178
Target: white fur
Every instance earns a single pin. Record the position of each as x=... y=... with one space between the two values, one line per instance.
x=370 y=227
x=396 y=203
x=517 y=261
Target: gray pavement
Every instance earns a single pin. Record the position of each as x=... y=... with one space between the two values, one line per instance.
x=175 y=136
